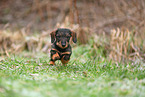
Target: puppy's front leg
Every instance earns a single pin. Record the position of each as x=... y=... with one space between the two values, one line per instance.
x=65 y=59
x=54 y=56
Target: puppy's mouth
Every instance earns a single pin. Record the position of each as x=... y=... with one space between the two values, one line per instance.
x=62 y=45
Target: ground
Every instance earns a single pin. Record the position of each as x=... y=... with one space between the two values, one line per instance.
x=25 y=26
x=86 y=75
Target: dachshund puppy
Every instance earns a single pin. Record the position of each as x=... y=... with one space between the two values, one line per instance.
x=60 y=48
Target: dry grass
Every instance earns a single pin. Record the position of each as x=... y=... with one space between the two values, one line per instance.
x=15 y=42
x=123 y=45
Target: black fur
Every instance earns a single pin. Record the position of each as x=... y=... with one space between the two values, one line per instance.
x=60 y=44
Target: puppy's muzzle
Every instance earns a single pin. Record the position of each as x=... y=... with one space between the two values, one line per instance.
x=63 y=44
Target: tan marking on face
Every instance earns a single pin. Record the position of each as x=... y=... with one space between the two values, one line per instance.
x=59 y=44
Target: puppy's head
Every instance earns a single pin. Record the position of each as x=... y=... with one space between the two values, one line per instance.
x=62 y=36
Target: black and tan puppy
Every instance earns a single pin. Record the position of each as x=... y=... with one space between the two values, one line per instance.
x=61 y=49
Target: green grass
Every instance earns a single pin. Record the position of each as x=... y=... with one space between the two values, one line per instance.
x=88 y=74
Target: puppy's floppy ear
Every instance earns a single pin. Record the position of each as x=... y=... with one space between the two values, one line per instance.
x=53 y=33
x=74 y=36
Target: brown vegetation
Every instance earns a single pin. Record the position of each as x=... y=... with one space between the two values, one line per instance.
x=122 y=22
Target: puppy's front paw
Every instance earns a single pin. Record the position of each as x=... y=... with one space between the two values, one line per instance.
x=52 y=63
x=65 y=59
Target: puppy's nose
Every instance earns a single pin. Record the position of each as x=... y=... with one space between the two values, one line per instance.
x=63 y=44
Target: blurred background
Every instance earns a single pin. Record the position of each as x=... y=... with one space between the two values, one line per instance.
x=115 y=26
